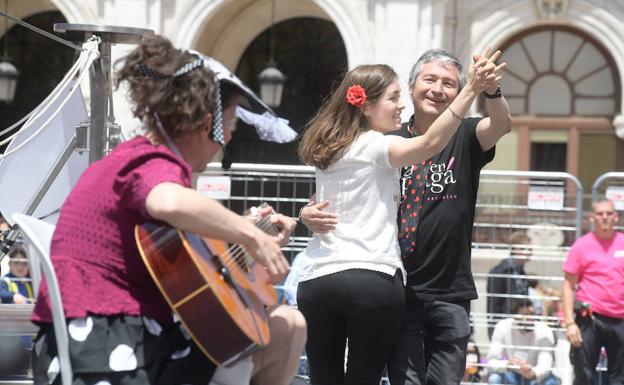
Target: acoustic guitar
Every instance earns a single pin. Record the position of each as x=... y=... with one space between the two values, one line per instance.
x=217 y=290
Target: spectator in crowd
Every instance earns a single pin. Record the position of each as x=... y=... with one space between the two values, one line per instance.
x=291 y=282
x=552 y=306
x=521 y=351
x=507 y=279
x=4 y=225
x=595 y=267
x=535 y=292
x=15 y=286
x=473 y=362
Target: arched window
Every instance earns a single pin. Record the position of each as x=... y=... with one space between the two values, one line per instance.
x=559 y=71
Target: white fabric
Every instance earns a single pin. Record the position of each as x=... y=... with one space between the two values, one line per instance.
x=269 y=127
x=363 y=190
x=53 y=370
x=508 y=340
x=237 y=374
x=80 y=328
x=122 y=359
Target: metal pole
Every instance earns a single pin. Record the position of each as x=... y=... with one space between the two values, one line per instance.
x=99 y=73
x=602 y=178
x=54 y=171
x=100 y=77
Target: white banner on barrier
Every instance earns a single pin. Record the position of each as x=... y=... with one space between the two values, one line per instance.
x=545 y=198
x=216 y=187
x=616 y=194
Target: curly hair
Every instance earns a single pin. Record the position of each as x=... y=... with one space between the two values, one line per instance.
x=181 y=102
x=338 y=123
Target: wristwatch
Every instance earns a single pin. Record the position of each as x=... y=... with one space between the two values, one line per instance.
x=497 y=94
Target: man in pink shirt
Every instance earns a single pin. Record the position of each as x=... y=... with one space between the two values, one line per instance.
x=595 y=266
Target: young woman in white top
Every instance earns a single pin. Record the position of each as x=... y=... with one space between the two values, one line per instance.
x=351 y=286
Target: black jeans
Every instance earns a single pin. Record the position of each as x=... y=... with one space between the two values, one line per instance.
x=597 y=332
x=431 y=348
x=364 y=307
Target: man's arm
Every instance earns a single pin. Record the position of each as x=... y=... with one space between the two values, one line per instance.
x=316 y=219
x=491 y=129
x=567 y=298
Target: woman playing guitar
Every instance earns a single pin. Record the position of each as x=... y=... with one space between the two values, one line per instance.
x=120 y=326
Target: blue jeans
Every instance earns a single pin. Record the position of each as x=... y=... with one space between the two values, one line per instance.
x=512 y=378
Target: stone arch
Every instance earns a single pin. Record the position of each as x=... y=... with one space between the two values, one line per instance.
x=75 y=11
x=238 y=23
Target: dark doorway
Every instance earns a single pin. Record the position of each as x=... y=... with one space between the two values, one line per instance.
x=548 y=156
x=312 y=55
x=42 y=63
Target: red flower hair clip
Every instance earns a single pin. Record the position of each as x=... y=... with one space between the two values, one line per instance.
x=356 y=95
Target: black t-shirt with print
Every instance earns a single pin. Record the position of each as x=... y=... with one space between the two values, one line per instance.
x=436 y=217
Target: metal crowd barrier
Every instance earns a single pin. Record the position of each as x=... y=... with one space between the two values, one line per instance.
x=285 y=187
x=610 y=185
x=502 y=208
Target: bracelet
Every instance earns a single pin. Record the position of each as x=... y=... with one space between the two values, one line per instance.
x=454 y=114
x=310 y=203
x=565 y=325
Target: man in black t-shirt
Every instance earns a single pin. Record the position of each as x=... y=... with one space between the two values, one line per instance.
x=435 y=225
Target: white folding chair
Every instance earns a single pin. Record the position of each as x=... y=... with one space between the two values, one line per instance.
x=39 y=234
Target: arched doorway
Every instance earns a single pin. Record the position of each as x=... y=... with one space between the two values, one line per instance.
x=312 y=55
x=41 y=62
x=563 y=89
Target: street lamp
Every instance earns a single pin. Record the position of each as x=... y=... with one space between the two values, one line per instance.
x=271 y=79
x=8 y=72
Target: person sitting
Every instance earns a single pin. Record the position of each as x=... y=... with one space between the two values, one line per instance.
x=521 y=350
x=507 y=280
x=121 y=328
x=15 y=286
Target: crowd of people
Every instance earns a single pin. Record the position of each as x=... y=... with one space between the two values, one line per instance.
x=384 y=285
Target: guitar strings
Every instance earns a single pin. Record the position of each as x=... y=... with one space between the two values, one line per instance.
x=237 y=254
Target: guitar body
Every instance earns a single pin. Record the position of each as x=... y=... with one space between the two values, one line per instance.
x=213 y=295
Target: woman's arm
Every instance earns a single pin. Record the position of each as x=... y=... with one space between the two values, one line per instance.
x=405 y=152
x=189 y=210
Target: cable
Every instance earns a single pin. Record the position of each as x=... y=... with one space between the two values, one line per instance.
x=42 y=32
x=81 y=76
x=43 y=106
